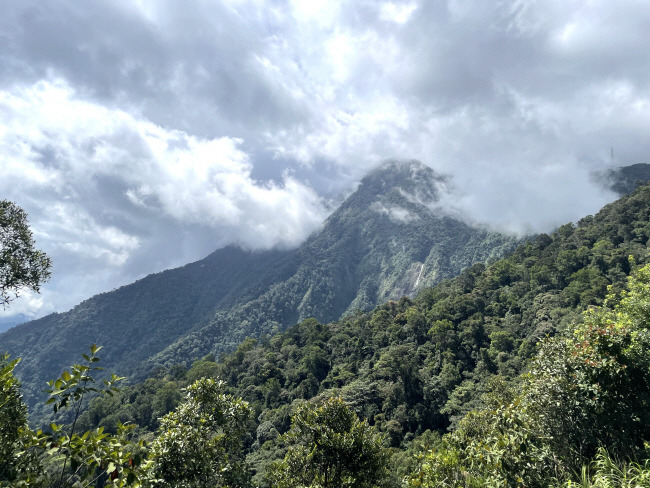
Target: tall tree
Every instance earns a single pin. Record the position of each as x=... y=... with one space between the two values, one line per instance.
x=200 y=443
x=330 y=447
x=21 y=265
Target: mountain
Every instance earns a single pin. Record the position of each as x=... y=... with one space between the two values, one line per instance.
x=625 y=179
x=385 y=241
x=388 y=239
x=421 y=363
x=135 y=319
x=418 y=365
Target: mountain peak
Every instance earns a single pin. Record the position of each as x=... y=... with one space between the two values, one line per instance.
x=396 y=170
x=397 y=187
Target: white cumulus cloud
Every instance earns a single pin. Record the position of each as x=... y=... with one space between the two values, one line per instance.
x=93 y=178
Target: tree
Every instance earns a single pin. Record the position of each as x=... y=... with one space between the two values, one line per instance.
x=200 y=443
x=21 y=266
x=585 y=400
x=61 y=458
x=330 y=447
x=592 y=389
x=13 y=416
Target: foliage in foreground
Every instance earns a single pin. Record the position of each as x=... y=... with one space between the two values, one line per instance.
x=60 y=457
x=330 y=447
x=586 y=390
x=199 y=444
x=608 y=473
x=13 y=416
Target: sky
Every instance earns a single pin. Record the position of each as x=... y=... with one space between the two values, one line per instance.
x=143 y=135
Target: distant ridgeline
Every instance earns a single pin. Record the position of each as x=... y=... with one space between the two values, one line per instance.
x=416 y=364
x=387 y=240
x=625 y=179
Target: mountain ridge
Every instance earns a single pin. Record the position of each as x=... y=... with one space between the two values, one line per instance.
x=387 y=239
x=418 y=365
x=624 y=180
x=424 y=248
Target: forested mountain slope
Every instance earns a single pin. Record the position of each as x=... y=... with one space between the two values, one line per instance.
x=134 y=319
x=625 y=179
x=418 y=364
x=422 y=363
x=386 y=240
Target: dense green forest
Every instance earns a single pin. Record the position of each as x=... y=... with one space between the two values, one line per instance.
x=384 y=241
x=532 y=371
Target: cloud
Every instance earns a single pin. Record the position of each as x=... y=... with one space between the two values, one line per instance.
x=394 y=212
x=396 y=12
x=189 y=66
x=93 y=178
x=123 y=123
x=518 y=101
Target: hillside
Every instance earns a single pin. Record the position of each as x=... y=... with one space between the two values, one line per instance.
x=133 y=319
x=419 y=364
x=625 y=179
x=422 y=363
x=386 y=240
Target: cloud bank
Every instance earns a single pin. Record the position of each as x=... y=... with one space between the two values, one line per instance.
x=97 y=182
